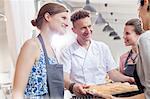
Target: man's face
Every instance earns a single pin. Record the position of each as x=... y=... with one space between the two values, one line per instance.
x=83 y=29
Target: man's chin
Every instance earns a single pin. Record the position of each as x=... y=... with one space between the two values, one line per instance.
x=88 y=39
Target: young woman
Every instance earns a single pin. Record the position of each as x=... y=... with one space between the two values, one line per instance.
x=30 y=78
x=132 y=30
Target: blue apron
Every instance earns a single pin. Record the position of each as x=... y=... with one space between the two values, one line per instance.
x=55 y=78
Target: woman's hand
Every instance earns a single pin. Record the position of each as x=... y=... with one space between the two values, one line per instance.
x=130 y=79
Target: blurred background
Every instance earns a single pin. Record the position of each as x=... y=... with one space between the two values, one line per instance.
x=108 y=19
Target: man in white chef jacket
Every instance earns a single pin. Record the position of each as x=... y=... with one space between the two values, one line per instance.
x=86 y=61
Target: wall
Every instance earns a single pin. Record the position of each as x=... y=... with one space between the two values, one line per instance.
x=14 y=32
x=117 y=47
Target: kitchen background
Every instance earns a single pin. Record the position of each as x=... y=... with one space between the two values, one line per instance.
x=108 y=17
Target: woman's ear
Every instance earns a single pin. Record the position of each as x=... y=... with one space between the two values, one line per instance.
x=145 y=6
x=146 y=2
x=47 y=16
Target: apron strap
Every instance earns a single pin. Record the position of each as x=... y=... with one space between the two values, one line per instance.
x=55 y=79
x=129 y=55
x=128 y=69
x=44 y=49
x=46 y=57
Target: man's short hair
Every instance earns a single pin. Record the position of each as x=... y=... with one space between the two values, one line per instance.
x=80 y=14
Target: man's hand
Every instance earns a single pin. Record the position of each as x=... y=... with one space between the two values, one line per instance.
x=78 y=89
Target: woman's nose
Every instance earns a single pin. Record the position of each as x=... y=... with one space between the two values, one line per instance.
x=124 y=36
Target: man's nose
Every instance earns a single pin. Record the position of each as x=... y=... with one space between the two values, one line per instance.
x=88 y=30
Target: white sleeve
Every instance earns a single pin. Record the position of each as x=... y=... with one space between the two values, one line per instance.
x=109 y=61
x=65 y=59
x=144 y=51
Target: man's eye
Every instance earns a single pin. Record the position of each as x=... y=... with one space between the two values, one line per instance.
x=64 y=17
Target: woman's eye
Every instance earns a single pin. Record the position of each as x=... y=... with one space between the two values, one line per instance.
x=127 y=33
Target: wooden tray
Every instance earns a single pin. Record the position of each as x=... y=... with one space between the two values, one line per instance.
x=89 y=96
x=117 y=89
x=113 y=88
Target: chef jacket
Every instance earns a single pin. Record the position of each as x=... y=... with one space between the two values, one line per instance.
x=88 y=66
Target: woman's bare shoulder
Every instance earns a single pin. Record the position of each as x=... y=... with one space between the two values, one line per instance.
x=31 y=47
x=124 y=54
x=31 y=44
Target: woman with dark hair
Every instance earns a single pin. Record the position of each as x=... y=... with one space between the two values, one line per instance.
x=37 y=54
x=143 y=64
x=132 y=30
